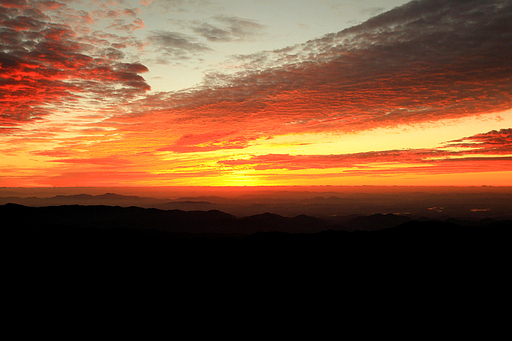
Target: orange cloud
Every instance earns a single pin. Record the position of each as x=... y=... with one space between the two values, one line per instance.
x=43 y=63
x=416 y=63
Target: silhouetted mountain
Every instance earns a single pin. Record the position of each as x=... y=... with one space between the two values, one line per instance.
x=250 y=254
x=112 y=217
x=435 y=203
x=187 y=205
x=195 y=249
x=110 y=199
x=175 y=221
x=202 y=222
x=268 y=222
x=376 y=222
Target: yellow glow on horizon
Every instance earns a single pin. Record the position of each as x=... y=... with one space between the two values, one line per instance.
x=205 y=169
x=418 y=136
x=503 y=178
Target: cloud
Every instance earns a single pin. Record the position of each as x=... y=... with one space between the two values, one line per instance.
x=230 y=29
x=44 y=64
x=190 y=143
x=103 y=39
x=297 y=162
x=479 y=151
x=176 y=5
x=495 y=142
x=111 y=161
x=121 y=25
x=175 y=45
x=421 y=62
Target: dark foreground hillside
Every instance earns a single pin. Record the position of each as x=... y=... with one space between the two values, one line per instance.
x=215 y=238
x=195 y=263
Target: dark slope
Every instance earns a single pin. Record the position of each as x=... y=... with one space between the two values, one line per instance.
x=116 y=217
x=95 y=224
x=376 y=222
x=208 y=222
x=110 y=199
x=101 y=251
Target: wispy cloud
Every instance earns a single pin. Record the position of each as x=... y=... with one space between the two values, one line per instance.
x=190 y=143
x=227 y=29
x=477 y=153
x=176 y=45
x=496 y=142
x=177 y=5
x=122 y=25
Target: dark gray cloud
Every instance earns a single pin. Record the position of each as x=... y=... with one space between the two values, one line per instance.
x=213 y=33
x=424 y=61
x=492 y=142
x=228 y=28
x=176 y=5
x=175 y=45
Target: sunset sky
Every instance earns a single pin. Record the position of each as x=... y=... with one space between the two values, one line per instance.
x=255 y=92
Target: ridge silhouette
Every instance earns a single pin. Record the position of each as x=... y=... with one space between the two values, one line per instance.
x=217 y=253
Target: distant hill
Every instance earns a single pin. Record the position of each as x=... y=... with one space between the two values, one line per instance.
x=116 y=217
x=376 y=222
x=110 y=199
x=199 y=221
x=463 y=204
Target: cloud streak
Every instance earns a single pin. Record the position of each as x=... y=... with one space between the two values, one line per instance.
x=175 y=45
x=228 y=29
x=474 y=153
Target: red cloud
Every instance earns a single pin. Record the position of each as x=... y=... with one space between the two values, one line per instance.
x=208 y=142
x=493 y=142
x=43 y=64
x=114 y=161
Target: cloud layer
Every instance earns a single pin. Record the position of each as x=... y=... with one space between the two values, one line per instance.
x=426 y=61
x=175 y=45
x=46 y=64
x=227 y=29
x=422 y=62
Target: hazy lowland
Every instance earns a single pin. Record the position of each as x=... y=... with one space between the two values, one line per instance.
x=241 y=212
x=335 y=203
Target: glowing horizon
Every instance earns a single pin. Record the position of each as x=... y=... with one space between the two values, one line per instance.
x=247 y=93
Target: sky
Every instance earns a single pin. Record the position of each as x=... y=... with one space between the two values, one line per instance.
x=255 y=93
